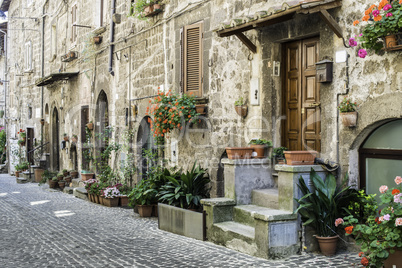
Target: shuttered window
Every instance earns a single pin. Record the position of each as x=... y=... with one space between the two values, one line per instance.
x=191 y=55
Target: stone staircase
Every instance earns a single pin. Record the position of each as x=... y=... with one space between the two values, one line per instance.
x=259 y=229
x=256 y=216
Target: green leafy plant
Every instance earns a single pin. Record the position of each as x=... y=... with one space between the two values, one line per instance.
x=239 y=102
x=381 y=234
x=379 y=21
x=320 y=206
x=3 y=140
x=347 y=106
x=170 y=111
x=261 y=142
x=143 y=194
x=47 y=175
x=278 y=152
x=54 y=179
x=365 y=206
x=186 y=190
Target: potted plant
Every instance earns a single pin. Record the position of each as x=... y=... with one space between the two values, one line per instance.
x=53 y=183
x=17 y=170
x=241 y=107
x=110 y=196
x=86 y=175
x=321 y=205
x=295 y=158
x=74 y=174
x=169 y=112
x=124 y=192
x=24 y=165
x=90 y=125
x=65 y=137
x=146 y=8
x=62 y=184
x=278 y=155
x=23 y=135
x=378 y=22
x=68 y=179
x=143 y=196
x=239 y=152
x=380 y=235
x=60 y=176
x=260 y=147
x=21 y=143
x=348 y=113
x=65 y=172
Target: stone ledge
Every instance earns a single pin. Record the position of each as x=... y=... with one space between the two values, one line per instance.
x=218 y=202
x=81 y=193
x=21 y=180
x=68 y=190
x=298 y=169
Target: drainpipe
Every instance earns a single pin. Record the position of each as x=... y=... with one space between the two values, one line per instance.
x=5 y=94
x=42 y=72
x=337 y=114
x=111 y=38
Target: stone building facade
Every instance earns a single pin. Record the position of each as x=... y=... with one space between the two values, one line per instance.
x=104 y=82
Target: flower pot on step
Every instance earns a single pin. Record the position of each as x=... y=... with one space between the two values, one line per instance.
x=62 y=184
x=260 y=149
x=295 y=158
x=74 y=174
x=87 y=176
x=52 y=184
x=145 y=210
x=239 y=152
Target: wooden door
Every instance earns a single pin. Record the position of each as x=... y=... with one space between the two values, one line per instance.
x=30 y=145
x=302 y=125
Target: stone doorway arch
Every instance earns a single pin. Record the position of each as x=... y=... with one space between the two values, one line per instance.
x=55 y=149
x=101 y=126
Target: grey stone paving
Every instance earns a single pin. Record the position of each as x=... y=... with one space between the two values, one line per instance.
x=44 y=228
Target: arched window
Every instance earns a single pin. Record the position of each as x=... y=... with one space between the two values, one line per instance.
x=381 y=157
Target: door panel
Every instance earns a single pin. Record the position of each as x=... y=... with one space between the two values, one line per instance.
x=302 y=102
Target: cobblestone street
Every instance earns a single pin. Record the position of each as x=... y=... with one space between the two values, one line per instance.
x=40 y=228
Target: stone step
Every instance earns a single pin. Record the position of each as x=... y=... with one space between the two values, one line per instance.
x=68 y=190
x=265 y=198
x=21 y=180
x=237 y=230
x=77 y=183
x=81 y=193
x=265 y=214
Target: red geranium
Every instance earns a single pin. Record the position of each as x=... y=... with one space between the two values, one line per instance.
x=349 y=229
x=395 y=191
x=364 y=261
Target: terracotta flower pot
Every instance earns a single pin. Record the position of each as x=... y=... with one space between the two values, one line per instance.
x=145 y=210
x=74 y=174
x=123 y=202
x=111 y=202
x=52 y=184
x=87 y=176
x=200 y=108
x=68 y=179
x=327 y=245
x=241 y=110
x=394 y=259
x=390 y=41
x=239 y=152
x=62 y=184
x=295 y=158
x=260 y=150
x=90 y=126
x=17 y=174
x=38 y=174
x=349 y=119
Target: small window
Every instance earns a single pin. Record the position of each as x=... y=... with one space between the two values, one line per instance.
x=191 y=59
x=73 y=22
x=28 y=56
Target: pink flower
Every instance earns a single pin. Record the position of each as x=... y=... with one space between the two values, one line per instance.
x=387 y=217
x=362 y=53
x=381 y=219
x=398 y=180
x=383 y=189
x=398 y=198
x=352 y=42
x=398 y=222
x=387 y=7
x=388 y=14
x=376 y=13
x=338 y=221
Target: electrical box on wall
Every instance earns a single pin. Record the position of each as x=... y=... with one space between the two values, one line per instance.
x=324 y=71
x=255 y=91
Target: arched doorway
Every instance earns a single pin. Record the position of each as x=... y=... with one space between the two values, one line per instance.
x=101 y=124
x=45 y=135
x=145 y=145
x=54 y=159
x=381 y=157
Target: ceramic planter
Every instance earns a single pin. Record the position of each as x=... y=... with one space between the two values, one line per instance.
x=17 y=174
x=239 y=152
x=38 y=174
x=87 y=176
x=349 y=119
x=241 y=110
x=52 y=184
x=74 y=174
x=123 y=202
x=67 y=179
x=145 y=210
x=390 y=41
x=62 y=184
x=260 y=149
x=327 y=245
x=110 y=202
x=200 y=109
x=295 y=158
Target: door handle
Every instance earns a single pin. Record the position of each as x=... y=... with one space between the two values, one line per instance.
x=314 y=104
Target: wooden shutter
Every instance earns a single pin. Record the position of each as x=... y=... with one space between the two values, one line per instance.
x=192 y=59
x=84 y=121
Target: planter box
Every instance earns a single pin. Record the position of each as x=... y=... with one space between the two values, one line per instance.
x=123 y=201
x=296 y=158
x=87 y=176
x=110 y=202
x=239 y=152
x=72 y=55
x=38 y=174
x=181 y=221
x=349 y=119
x=145 y=210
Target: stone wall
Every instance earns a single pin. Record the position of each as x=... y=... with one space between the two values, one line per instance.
x=146 y=56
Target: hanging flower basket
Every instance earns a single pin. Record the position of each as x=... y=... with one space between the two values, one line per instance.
x=90 y=126
x=349 y=119
x=241 y=110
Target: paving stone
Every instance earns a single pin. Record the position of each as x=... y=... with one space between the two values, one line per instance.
x=40 y=229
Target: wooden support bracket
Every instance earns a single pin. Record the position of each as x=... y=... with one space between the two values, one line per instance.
x=331 y=22
x=247 y=42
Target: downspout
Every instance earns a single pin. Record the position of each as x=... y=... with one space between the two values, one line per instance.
x=5 y=95
x=42 y=73
x=111 y=38
x=337 y=114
